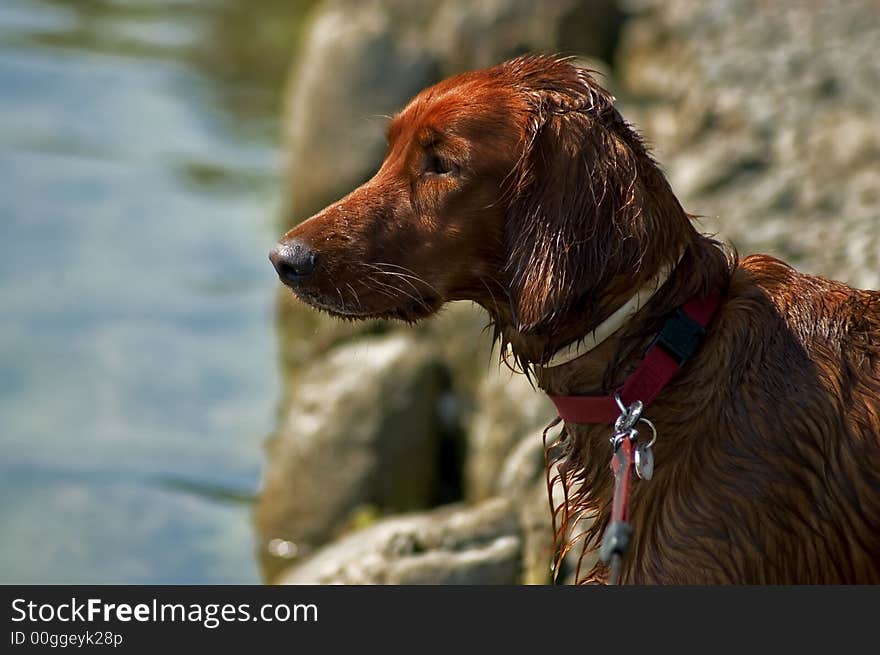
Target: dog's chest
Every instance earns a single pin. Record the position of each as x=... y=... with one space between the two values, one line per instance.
x=750 y=521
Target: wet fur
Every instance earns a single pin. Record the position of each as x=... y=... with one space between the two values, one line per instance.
x=551 y=214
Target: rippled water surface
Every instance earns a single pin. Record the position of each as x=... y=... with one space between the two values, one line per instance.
x=138 y=198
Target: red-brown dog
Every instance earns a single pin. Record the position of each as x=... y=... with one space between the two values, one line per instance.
x=521 y=188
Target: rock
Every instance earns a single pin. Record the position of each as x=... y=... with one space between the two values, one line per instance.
x=361 y=429
x=460 y=334
x=355 y=68
x=469 y=35
x=764 y=116
x=533 y=512
x=508 y=411
x=306 y=334
x=451 y=545
x=506 y=457
x=523 y=479
x=523 y=466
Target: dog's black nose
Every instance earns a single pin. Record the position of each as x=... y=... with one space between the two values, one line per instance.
x=294 y=261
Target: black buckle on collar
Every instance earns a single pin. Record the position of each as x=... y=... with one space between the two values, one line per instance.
x=680 y=336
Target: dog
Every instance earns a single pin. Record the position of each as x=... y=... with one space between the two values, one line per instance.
x=521 y=188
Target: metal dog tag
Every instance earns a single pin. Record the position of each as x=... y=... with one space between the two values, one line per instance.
x=644 y=461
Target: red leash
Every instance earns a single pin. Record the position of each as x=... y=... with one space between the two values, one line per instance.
x=615 y=541
x=678 y=340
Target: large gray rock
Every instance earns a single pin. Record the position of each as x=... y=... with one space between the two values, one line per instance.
x=362 y=429
x=451 y=545
x=765 y=116
x=508 y=411
x=505 y=457
x=468 y=35
x=355 y=68
x=533 y=513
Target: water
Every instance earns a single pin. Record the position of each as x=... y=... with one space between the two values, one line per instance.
x=138 y=198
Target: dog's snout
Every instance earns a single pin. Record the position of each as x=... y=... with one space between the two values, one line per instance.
x=294 y=261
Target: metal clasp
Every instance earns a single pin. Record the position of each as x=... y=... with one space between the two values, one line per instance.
x=625 y=428
x=629 y=416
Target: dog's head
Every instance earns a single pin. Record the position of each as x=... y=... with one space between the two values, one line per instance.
x=519 y=187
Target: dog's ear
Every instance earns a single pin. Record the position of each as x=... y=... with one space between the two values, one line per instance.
x=590 y=214
x=563 y=235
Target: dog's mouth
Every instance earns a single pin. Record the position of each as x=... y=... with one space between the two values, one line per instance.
x=355 y=308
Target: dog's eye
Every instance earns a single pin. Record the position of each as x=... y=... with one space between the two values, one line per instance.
x=436 y=165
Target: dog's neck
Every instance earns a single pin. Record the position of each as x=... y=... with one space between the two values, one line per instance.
x=615 y=322
x=587 y=374
x=702 y=268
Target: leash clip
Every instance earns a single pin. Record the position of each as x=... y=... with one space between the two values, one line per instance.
x=625 y=428
x=618 y=438
x=629 y=416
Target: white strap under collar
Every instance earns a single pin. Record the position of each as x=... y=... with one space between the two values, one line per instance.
x=614 y=322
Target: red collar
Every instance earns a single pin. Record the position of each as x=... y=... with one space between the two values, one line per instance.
x=677 y=341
